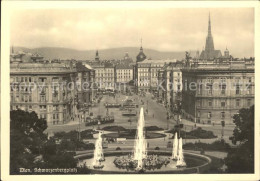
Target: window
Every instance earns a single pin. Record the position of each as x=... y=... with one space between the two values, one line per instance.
x=248 y=102
x=198 y=115
x=237 y=89
x=209 y=88
x=199 y=103
x=200 y=89
x=223 y=104
x=210 y=80
x=238 y=102
x=43 y=116
x=17 y=98
x=42 y=98
x=222 y=115
x=222 y=80
x=210 y=103
x=55 y=108
x=43 y=107
x=209 y=115
x=223 y=89
x=179 y=87
x=42 y=79
x=249 y=89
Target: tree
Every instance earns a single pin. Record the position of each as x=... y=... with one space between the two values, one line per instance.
x=26 y=138
x=241 y=159
x=30 y=148
x=54 y=157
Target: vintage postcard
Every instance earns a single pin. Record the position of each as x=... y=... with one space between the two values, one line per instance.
x=143 y=89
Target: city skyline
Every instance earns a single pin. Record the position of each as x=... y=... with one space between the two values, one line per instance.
x=184 y=29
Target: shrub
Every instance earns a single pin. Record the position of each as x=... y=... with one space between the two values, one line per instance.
x=153 y=128
x=118 y=148
x=157 y=148
x=114 y=128
x=219 y=145
x=194 y=134
x=202 y=151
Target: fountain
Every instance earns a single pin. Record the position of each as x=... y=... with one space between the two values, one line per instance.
x=175 y=147
x=140 y=142
x=180 y=158
x=139 y=159
x=98 y=153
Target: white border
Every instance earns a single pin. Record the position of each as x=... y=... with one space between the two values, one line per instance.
x=7 y=8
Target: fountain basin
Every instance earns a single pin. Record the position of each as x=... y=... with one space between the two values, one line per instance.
x=195 y=163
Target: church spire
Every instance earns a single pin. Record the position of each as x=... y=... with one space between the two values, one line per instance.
x=209 y=41
x=141 y=48
x=209 y=26
x=97 y=56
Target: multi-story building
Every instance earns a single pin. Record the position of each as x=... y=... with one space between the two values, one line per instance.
x=35 y=86
x=124 y=73
x=84 y=81
x=47 y=87
x=170 y=83
x=147 y=73
x=214 y=92
x=215 y=87
x=104 y=74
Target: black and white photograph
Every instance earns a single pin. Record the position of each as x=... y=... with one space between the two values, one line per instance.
x=130 y=88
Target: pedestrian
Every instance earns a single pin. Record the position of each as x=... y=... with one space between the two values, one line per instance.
x=153 y=115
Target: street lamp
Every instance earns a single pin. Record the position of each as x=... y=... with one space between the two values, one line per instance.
x=223 y=125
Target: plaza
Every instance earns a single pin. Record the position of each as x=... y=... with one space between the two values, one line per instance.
x=156 y=116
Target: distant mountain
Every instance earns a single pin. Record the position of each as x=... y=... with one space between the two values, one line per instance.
x=104 y=54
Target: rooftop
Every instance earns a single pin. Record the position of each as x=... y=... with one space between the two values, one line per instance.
x=147 y=61
x=124 y=66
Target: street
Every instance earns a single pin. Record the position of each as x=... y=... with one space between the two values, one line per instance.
x=156 y=116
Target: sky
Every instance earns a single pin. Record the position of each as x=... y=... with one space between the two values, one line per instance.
x=163 y=29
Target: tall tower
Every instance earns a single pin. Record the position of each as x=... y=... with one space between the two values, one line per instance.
x=209 y=52
x=97 y=56
x=226 y=53
x=141 y=56
x=209 y=41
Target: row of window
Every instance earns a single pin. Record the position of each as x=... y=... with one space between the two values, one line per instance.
x=238 y=89
x=129 y=77
x=125 y=73
x=224 y=79
x=224 y=104
x=105 y=71
x=32 y=79
x=124 y=70
x=209 y=115
x=28 y=98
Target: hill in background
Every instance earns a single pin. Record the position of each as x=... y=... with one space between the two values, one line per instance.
x=104 y=54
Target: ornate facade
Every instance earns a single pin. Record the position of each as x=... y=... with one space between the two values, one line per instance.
x=215 y=92
x=47 y=87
